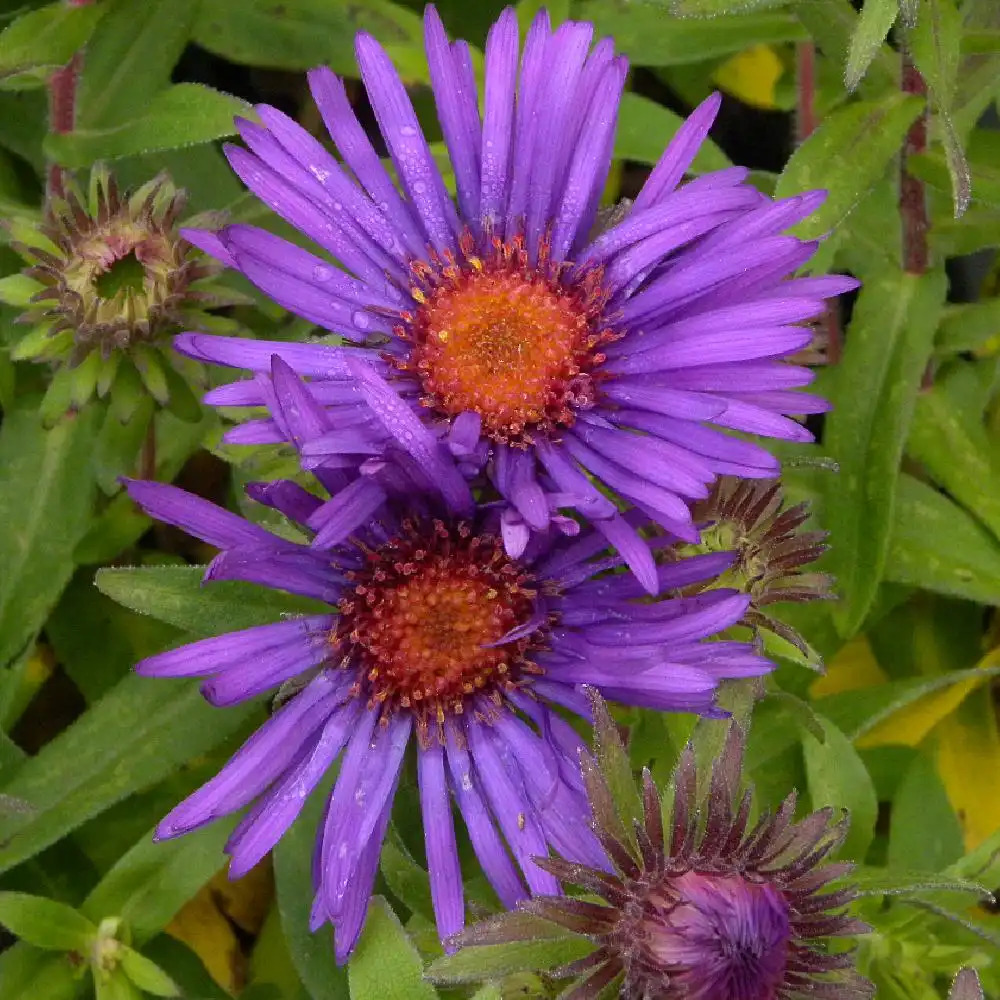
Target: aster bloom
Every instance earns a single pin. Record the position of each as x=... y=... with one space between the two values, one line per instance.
x=437 y=634
x=749 y=517
x=559 y=362
x=709 y=909
x=109 y=277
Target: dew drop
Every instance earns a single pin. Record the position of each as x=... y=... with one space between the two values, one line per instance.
x=360 y=319
x=419 y=187
x=407 y=131
x=321 y=273
x=338 y=206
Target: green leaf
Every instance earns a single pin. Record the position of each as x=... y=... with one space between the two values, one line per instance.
x=30 y=974
x=44 y=40
x=937 y=546
x=312 y=954
x=838 y=777
x=924 y=833
x=983 y=171
x=968 y=327
x=935 y=46
x=96 y=640
x=131 y=739
x=877 y=17
x=147 y=975
x=847 y=155
x=184 y=114
x=644 y=129
x=888 y=346
x=615 y=767
x=45 y=923
x=650 y=36
x=880 y=882
x=952 y=444
x=115 y=986
x=978 y=229
x=550 y=947
x=832 y=25
x=407 y=881
x=46 y=491
x=386 y=965
x=154 y=879
x=300 y=34
x=130 y=58
x=175 y=594
x=858 y=712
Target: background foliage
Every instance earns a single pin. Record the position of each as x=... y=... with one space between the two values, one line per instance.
x=902 y=729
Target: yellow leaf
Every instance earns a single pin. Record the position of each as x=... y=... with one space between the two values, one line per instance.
x=751 y=75
x=208 y=923
x=909 y=726
x=968 y=760
x=852 y=669
x=912 y=724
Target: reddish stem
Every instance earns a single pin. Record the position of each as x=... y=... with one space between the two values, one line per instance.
x=62 y=112
x=912 y=197
x=805 y=119
x=805 y=124
x=62 y=106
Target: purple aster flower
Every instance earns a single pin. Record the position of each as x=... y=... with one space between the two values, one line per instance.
x=437 y=634
x=561 y=360
x=712 y=908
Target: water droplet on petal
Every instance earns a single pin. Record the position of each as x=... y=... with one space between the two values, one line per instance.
x=321 y=273
x=360 y=319
x=407 y=131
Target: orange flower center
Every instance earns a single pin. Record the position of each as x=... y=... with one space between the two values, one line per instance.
x=423 y=616
x=512 y=341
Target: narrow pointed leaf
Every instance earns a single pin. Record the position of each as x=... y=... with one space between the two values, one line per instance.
x=874 y=22
x=175 y=594
x=887 y=350
x=45 y=923
x=847 y=155
x=386 y=965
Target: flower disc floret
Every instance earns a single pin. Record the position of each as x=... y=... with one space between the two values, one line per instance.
x=511 y=341
x=428 y=617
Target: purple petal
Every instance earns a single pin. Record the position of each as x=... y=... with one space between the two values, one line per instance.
x=257 y=763
x=401 y=422
x=345 y=512
x=367 y=778
x=450 y=97
x=196 y=516
x=359 y=154
x=259 y=831
x=511 y=807
x=410 y=153
x=316 y=360
x=351 y=918
x=209 y=242
x=301 y=638
x=298 y=570
x=439 y=838
x=490 y=851
x=498 y=116
x=680 y=153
